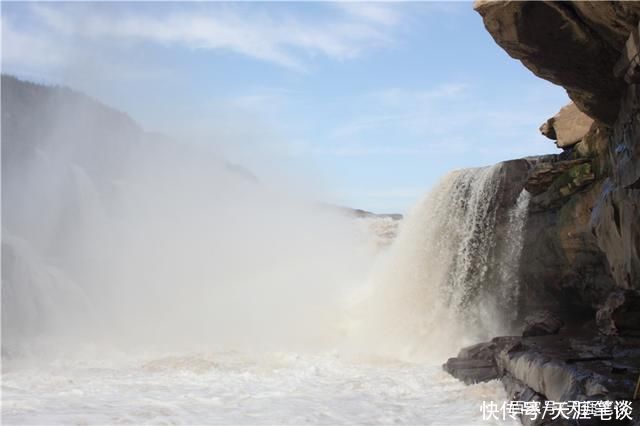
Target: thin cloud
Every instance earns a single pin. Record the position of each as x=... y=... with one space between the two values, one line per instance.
x=403 y=97
x=24 y=48
x=277 y=36
x=450 y=145
x=440 y=113
x=399 y=107
x=381 y=13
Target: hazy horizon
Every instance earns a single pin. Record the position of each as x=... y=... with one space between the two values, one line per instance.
x=370 y=103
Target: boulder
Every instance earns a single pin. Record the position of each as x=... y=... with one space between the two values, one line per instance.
x=471 y=371
x=568 y=126
x=474 y=364
x=595 y=146
x=541 y=323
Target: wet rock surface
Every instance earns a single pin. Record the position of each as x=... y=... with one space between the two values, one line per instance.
x=620 y=314
x=575 y=366
x=581 y=248
x=582 y=238
x=471 y=370
x=541 y=323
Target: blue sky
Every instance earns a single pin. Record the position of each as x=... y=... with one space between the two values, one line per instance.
x=371 y=102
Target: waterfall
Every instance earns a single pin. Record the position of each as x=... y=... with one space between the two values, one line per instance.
x=452 y=275
x=161 y=245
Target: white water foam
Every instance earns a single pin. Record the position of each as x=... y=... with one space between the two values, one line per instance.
x=243 y=389
x=448 y=276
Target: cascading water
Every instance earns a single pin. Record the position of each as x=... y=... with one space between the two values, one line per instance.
x=451 y=271
x=143 y=282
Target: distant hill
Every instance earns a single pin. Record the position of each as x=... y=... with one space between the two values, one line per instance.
x=359 y=212
x=38 y=118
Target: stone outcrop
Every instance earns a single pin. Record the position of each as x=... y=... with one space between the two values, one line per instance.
x=615 y=215
x=472 y=370
x=620 y=314
x=573 y=44
x=541 y=323
x=581 y=248
x=544 y=174
x=568 y=182
x=564 y=268
x=568 y=126
x=572 y=367
x=477 y=363
x=583 y=234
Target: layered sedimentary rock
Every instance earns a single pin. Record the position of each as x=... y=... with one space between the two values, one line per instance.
x=568 y=126
x=576 y=365
x=581 y=250
x=572 y=44
x=584 y=225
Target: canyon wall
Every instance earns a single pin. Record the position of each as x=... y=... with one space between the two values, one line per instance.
x=583 y=235
x=579 y=301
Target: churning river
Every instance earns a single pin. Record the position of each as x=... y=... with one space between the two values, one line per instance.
x=151 y=282
x=379 y=365
x=239 y=388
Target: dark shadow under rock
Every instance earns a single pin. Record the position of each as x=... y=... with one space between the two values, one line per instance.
x=541 y=323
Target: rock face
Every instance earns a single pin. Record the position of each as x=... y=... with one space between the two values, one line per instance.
x=475 y=364
x=559 y=368
x=581 y=248
x=568 y=126
x=560 y=41
x=620 y=314
x=564 y=268
x=471 y=370
x=541 y=323
x=545 y=173
x=583 y=233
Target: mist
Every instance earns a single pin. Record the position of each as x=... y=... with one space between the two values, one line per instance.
x=117 y=239
x=189 y=264
x=114 y=237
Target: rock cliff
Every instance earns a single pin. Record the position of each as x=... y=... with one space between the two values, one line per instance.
x=573 y=44
x=587 y=198
x=581 y=252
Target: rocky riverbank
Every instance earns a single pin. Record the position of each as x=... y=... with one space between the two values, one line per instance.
x=581 y=250
x=554 y=362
